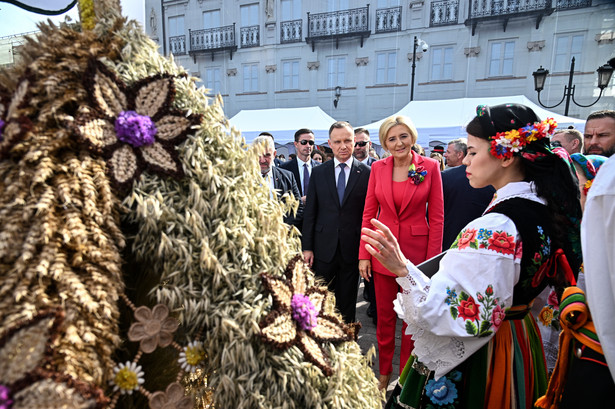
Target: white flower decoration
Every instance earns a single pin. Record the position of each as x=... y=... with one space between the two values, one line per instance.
x=192 y=356
x=128 y=377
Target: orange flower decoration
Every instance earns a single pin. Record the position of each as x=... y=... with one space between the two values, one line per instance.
x=133 y=127
x=291 y=322
x=153 y=328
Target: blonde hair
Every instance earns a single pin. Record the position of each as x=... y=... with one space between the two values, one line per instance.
x=439 y=158
x=392 y=121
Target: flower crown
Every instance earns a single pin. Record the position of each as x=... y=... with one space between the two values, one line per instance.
x=506 y=144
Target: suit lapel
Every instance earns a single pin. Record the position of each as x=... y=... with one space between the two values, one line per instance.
x=331 y=181
x=387 y=183
x=410 y=186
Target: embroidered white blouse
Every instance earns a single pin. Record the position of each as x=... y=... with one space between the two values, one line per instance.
x=457 y=311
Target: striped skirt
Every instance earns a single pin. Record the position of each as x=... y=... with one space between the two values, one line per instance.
x=507 y=373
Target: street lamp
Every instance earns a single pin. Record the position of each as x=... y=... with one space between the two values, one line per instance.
x=604 y=76
x=338 y=94
x=424 y=47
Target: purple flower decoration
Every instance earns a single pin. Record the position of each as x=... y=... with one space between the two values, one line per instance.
x=134 y=129
x=5 y=398
x=1 y=127
x=441 y=392
x=304 y=312
x=416 y=174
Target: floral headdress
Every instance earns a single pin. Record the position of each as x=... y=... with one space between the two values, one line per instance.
x=514 y=140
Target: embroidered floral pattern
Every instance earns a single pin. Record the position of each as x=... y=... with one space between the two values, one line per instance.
x=417 y=175
x=443 y=393
x=539 y=261
x=549 y=315
x=291 y=318
x=482 y=315
x=153 y=328
x=134 y=127
x=498 y=241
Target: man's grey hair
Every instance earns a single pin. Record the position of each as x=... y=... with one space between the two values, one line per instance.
x=264 y=140
x=461 y=145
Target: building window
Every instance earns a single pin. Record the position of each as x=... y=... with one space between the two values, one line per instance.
x=291 y=9
x=212 y=80
x=501 y=58
x=336 y=71
x=337 y=5
x=249 y=15
x=566 y=47
x=386 y=64
x=250 y=77
x=176 y=37
x=441 y=63
x=290 y=75
x=211 y=19
x=176 y=26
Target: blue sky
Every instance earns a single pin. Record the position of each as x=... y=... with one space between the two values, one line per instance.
x=14 y=20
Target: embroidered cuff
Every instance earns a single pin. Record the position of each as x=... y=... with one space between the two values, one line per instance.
x=415 y=278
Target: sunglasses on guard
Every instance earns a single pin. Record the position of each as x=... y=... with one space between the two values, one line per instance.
x=305 y=142
x=361 y=144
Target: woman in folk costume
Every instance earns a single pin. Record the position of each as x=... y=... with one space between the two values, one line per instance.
x=475 y=343
x=405 y=192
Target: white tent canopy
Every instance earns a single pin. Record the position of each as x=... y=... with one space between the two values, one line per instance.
x=282 y=123
x=445 y=120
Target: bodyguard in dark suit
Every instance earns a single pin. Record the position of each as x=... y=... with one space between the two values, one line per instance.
x=280 y=181
x=302 y=165
x=462 y=203
x=362 y=146
x=332 y=219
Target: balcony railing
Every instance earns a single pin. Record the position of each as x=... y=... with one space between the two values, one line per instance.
x=488 y=8
x=213 y=39
x=250 y=36
x=571 y=4
x=503 y=10
x=444 y=12
x=336 y=24
x=290 y=31
x=388 y=20
x=177 y=45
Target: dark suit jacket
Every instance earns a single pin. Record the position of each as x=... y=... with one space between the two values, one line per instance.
x=370 y=161
x=294 y=168
x=462 y=203
x=284 y=182
x=325 y=221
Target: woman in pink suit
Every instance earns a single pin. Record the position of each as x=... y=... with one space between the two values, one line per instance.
x=404 y=193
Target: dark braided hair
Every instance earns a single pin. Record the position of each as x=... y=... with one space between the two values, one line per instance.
x=553 y=177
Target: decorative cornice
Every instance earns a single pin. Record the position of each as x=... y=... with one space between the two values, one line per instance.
x=313 y=65
x=605 y=38
x=416 y=3
x=362 y=61
x=535 y=45
x=471 y=51
x=419 y=55
x=231 y=72
x=270 y=68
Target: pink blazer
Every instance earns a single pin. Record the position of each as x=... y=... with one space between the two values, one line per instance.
x=419 y=225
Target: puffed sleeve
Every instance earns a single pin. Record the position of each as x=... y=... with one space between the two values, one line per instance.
x=457 y=311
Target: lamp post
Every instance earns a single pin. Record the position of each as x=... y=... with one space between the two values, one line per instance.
x=540 y=76
x=425 y=47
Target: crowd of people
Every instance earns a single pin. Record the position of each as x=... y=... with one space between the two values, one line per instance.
x=505 y=204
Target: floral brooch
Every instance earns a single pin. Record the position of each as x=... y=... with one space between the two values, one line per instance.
x=506 y=144
x=416 y=174
x=134 y=127
x=298 y=316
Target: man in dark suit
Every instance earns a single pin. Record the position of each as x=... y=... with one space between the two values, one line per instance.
x=462 y=203
x=362 y=146
x=302 y=165
x=280 y=181
x=332 y=219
